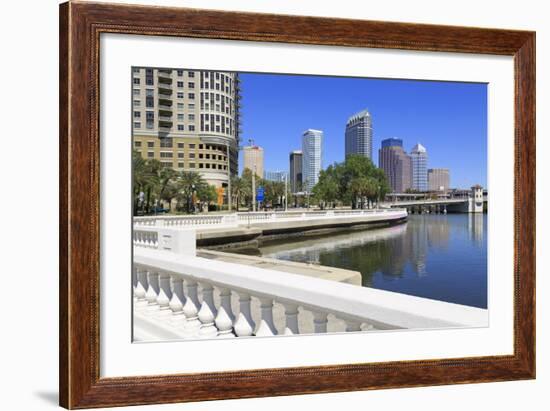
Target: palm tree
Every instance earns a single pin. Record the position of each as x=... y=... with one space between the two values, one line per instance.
x=188 y=182
x=238 y=190
x=166 y=177
x=145 y=174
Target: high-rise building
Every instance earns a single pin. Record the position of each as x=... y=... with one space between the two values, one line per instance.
x=187 y=119
x=419 y=159
x=359 y=134
x=277 y=176
x=312 y=146
x=438 y=179
x=296 y=171
x=253 y=159
x=396 y=164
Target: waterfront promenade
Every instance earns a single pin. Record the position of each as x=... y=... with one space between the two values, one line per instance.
x=179 y=294
x=220 y=229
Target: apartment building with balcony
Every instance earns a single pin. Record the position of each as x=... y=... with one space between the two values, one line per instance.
x=187 y=120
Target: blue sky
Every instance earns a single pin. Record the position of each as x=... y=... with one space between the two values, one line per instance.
x=448 y=118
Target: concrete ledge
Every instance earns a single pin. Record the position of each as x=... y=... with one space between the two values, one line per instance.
x=309 y=270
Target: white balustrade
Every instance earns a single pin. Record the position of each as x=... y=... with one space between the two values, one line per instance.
x=207 y=313
x=152 y=291
x=244 y=326
x=141 y=287
x=240 y=219
x=169 y=283
x=291 y=317
x=164 y=296
x=181 y=240
x=266 y=326
x=320 y=321
x=192 y=324
x=225 y=318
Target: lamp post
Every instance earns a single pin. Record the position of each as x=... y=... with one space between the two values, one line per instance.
x=286 y=192
x=254 y=188
x=229 y=205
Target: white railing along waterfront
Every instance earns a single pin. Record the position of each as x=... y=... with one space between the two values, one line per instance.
x=191 y=297
x=180 y=241
x=186 y=220
x=235 y=218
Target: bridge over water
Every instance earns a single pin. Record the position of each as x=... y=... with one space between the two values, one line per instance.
x=470 y=202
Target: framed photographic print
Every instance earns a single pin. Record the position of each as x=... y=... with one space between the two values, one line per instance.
x=259 y=205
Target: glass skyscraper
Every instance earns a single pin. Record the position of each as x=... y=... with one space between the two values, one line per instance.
x=312 y=143
x=419 y=159
x=359 y=134
x=295 y=171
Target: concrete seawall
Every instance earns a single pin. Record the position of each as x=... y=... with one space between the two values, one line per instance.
x=258 y=231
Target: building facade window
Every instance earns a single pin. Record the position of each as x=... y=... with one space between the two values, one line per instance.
x=166 y=142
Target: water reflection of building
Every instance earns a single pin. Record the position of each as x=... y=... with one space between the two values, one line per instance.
x=386 y=250
x=417 y=239
x=476 y=228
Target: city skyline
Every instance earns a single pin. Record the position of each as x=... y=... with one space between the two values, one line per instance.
x=424 y=112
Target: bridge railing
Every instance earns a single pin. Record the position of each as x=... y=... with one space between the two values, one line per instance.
x=235 y=219
x=188 y=297
x=178 y=240
x=187 y=220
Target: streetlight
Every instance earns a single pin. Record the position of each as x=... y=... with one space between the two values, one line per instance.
x=229 y=205
x=286 y=194
x=254 y=188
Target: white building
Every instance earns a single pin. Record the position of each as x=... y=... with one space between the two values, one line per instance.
x=312 y=148
x=419 y=162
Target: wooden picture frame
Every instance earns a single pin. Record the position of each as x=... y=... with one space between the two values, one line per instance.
x=80 y=27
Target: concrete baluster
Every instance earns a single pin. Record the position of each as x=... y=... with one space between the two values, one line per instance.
x=134 y=282
x=266 y=326
x=141 y=288
x=165 y=294
x=291 y=314
x=319 y=322
x=152 y=292
x=207 y=313
x=177 y=301
x=190 y=310
x=225 y=318
x=352 y=326
x=244 y=326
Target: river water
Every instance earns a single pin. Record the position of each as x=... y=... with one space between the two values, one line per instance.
x=442 y=257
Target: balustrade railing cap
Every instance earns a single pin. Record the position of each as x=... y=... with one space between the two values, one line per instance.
x=383 y=309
